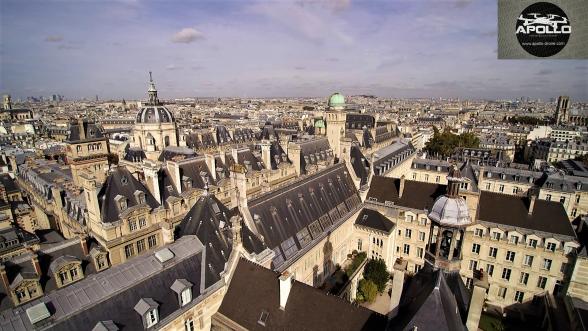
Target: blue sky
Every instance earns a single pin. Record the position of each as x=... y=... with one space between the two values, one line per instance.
x=241 y=48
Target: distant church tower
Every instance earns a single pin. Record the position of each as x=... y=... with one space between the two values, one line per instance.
x=336 y=117
x=7 y=102
x=561 y=112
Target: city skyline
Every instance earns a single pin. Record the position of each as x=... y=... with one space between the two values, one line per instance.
x=399 y=49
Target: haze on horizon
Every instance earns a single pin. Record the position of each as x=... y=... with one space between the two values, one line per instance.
x=268 y=49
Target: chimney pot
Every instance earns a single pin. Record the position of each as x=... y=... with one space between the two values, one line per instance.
x=401 y=188
x=36 y=264
x=532 y=204
x=285 y=287
x=4 y=277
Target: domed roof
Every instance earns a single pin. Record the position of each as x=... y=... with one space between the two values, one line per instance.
x=154 y=114
x=450 y=211
x=337 y=100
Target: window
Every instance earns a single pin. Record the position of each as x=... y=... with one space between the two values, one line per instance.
x=426 y=178
x=140 y=246
x=496 y=235
x=63 y=277
x=546 y=264
x=20 y=294
x=73 y=273
x=519 y=296
x=564 y=268
x=152 y=241
x=151 y=318
x=476 y=248
x=524 y=278
x=408 y=233
x=541 y=282
x=488 y=186
x=514 y=240
x=548 y=197
x=515 y=190
x=132 y=225
x=478 y=232
x=406 y=249
x=409 y=218
x=510 y=255
x=423 y=221
x=437 y=179
x=490 y=269
x=469 y=282
x=501 y=188
x=492 y=252
x=422 y=236
x=506 y=274
x=419 y=252
x=528 y=260
x=189 y=325
x=142 y=223
x=129 y=250
x=502 y=292
x=551 y=247
x=414 y=175
x=473 y=265
x=562 y=199
x=359 y=245
x=532 y=243
x=186 y=296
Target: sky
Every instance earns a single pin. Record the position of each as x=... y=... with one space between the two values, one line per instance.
x=279 y=48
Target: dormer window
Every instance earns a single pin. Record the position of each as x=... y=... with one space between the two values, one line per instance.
x=121 y=202
x=183 y=289
x=140 y=197
x=66 y=269
x=148 y=309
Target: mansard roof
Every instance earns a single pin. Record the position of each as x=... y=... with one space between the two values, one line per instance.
x=254 y=289
x=289 y=218
x=416 y=195
x=121 y=182
x=513 y=211
x=277 y=155
x=113 y=293
x=374 y=219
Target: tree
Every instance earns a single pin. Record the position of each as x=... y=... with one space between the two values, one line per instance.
x=444 y=143
x=367 y=290
x=376 y=271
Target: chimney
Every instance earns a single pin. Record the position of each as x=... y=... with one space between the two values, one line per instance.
x=401 y=188
x=477 y=301
x=397 y=285
x=4 y=277
x=84 y=244
x=266 y=154
x=36 y=264
x=211 y=164
x=532 y=204
x=236 y=230
x=285 y=287
x=81 y=128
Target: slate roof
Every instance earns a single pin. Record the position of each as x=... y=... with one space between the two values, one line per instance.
x=51 y=258
x=121 y=182
x=166 y=186
x=374 y=219
x=172 y=152
x=8 y=183
x=508 y=210
x=113 y=293
x=209 y=220
x=134 y=154
x=314 y=150
x=416 y=195
x=194 y=169
x=91 y=131
x=254 y=289
x=359 y=121
x=361 y=166
x=288 y=219
x=547 y=216
x=277 y=155
x=391 y=155
x=428 y=302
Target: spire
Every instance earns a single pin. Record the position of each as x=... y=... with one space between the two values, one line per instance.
x=152 y=91
x=454 y=181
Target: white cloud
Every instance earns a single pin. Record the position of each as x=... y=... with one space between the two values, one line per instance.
x=54 y=39
x=187 y=35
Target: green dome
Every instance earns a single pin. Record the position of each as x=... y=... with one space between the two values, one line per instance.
x=337 y=100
